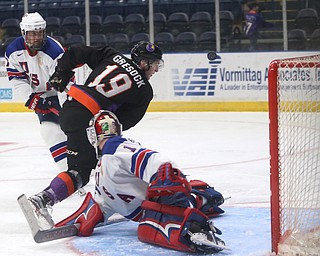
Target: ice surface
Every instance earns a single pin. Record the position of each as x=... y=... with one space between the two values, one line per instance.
x=227 y=150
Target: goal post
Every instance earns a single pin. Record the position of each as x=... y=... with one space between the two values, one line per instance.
x=294 y=132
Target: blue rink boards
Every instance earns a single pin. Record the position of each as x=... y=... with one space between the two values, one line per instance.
x=246 y=231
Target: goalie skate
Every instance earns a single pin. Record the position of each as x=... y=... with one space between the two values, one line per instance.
x=40 y=210
x=202 y=241
x=207 y=241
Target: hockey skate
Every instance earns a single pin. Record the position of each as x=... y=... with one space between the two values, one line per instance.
x=207 y=241
x=40 y=205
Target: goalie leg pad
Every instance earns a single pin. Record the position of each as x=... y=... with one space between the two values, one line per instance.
x=206 y=198
x=167 y=181
x=88 y=216
x=171 y=227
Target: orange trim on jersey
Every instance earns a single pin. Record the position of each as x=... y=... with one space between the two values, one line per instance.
x=84 y=98
x=68 y=181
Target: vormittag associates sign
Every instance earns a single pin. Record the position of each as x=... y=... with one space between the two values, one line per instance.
x=230 y=77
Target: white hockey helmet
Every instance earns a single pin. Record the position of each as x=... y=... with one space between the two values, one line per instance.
x=103 y=125
x=33 y=22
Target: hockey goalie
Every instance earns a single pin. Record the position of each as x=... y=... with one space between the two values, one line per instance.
x=145 y=186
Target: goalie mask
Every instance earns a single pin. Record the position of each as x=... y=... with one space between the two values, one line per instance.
x=103 y=125
x=33 y=30
x=147 y=51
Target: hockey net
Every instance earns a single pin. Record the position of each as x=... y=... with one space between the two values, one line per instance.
x=294 y=113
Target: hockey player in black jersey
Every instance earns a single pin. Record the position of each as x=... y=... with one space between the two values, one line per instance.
x=116 y=83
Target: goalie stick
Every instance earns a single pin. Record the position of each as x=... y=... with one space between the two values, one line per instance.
x=41 y=236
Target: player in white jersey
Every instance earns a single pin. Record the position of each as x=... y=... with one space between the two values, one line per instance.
x=31 y=60
x=146 y=186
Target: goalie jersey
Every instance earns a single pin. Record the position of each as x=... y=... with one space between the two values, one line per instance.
x=125 y=172
x=30 y=73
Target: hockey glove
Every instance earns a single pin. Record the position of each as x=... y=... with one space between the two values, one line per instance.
x=53 y=104
x=60 y=79
x=38 y=104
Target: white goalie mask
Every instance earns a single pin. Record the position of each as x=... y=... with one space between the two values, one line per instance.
x=103 y=125
x=33 y=30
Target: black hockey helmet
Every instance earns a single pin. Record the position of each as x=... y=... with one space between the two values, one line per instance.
x=146 y=51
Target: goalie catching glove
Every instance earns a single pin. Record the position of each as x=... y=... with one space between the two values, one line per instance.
x=60 y=79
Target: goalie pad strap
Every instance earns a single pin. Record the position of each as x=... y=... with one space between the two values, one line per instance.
x=162 y=208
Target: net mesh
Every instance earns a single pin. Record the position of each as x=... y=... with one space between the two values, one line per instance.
x=299 y=155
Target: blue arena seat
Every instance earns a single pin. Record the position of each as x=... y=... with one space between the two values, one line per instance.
x=226 y=23
x=186 y=42
x=207 y=41
x=75 y=39
x=308 y=20
x=159 y=22
x=120 y=41
x=297 y=39
x=11 y=27
x=314 y=42
x=178 y=22
x=201 y=22
x=5 y=44
x=112 y=24
x=134 y=23
x=98 y=40
x=53 y=25
x=71 y=25
x=95 y=24
x=165 y=40
x=139 y=37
